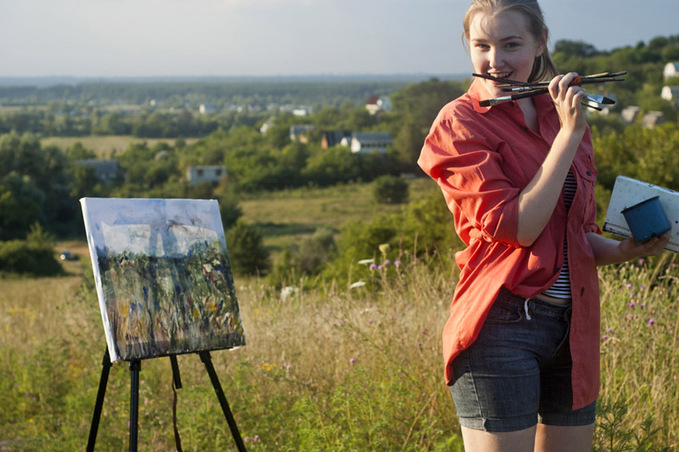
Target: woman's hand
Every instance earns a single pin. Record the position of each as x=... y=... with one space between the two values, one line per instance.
x=568 y=101
x=630 y=249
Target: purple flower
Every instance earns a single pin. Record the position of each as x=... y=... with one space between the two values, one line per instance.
x=352 y=361
x=386 y=262
x=373 y=266
x=628 y=286
x=604 y=338
x=650 y=322
x=397 y=263
x=632 y=305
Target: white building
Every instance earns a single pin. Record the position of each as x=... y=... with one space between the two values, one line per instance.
x=368 y=142
x=199 y=174
x=671 y=70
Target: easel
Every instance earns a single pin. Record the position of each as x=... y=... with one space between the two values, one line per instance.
x=135 y=368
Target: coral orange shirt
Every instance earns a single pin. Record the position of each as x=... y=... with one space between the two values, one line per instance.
x=481 y=158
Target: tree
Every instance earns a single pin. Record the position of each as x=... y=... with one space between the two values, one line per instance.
x=247 y=253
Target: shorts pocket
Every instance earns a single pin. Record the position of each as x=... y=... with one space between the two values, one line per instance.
x=503 y=314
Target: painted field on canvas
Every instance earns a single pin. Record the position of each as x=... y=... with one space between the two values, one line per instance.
x=163 y=276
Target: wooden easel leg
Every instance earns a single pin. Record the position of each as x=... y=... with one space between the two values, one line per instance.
x=207 y=360
x=103 y=381
x=135 y=367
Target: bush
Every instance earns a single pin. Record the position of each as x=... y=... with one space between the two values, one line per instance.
x=390 y=190
x=246 y=250
x=28 y=258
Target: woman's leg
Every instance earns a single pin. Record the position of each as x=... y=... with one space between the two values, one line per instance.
x=480 y=441
x=552 y=438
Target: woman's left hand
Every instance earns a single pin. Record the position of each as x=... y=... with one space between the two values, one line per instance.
x=652 y=247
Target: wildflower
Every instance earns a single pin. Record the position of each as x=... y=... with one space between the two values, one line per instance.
x=386 y=262
x=373 y=266
x=357 y=284
x=641 y=261
x=628 y=286
x=609 y=330
x=425 y=330
x=604 y=338
x=643 y=287
x=352 y=361
x=632 y=305
x=650 y=322
x=397 y=263
x=255 y=439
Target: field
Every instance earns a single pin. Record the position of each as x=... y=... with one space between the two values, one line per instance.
x=103 y=146
x=329 y=369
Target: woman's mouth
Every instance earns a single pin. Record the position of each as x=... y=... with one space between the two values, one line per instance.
x=504 y=75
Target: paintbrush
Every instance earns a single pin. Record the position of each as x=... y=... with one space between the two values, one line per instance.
x=525 y=89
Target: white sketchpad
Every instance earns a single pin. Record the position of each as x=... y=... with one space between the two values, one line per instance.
x=628 y=192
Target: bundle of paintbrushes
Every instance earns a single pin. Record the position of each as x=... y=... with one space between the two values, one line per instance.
x=524 y=89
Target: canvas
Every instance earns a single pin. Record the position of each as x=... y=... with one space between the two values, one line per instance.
x=163 y=276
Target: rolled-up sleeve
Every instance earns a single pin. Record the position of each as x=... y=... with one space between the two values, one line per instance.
x=468 y=169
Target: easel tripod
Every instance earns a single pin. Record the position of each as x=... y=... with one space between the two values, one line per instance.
x=135 y=367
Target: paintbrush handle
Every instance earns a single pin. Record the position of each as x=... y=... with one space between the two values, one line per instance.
x=500 y=100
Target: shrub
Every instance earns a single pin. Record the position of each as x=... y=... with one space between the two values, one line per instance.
x=246 y=249
x=390 y=190
x=28 y=258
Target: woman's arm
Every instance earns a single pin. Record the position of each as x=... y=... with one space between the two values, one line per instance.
x=608 y=251
x=538 y=199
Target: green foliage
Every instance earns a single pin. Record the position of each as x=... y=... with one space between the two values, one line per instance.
x=644 y=154
x=32 y=257
x=390 y=190
x=247 y=253
x=306 y=258
x=423 y=228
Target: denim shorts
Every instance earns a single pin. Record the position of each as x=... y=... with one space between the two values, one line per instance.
x=518 y=372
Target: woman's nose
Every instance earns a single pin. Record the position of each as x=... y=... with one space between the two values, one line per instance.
x=495 y=58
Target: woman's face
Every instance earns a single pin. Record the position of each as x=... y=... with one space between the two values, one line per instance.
x=501 y=46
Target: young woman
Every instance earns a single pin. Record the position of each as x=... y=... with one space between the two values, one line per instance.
x=521 y=345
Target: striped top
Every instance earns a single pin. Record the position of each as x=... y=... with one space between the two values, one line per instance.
x=562 y=287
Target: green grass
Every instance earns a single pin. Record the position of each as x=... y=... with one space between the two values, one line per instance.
x=324 y=369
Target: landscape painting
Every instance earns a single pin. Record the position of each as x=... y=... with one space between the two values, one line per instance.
x=163 y=276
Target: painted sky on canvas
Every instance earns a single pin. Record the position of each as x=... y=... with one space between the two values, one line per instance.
x=114 y=38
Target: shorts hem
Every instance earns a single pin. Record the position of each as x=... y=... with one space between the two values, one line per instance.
x=497 y=425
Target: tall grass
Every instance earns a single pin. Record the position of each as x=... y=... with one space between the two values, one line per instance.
x=329 y=369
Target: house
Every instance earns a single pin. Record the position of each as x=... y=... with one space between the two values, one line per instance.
x=671 y=70
x=300 y=132
x=302 y=110
x=268 y=124
x=670 y=93
x=106 y=171
x=652 y=119
x=630 y=114
x=330 y=138
x=368 y=142
x=206 y=109
x=210 y=173
x=378 y=104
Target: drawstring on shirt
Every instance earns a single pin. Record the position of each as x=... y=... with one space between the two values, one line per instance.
x=525 y=308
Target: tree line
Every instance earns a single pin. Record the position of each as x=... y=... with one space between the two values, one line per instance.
x=41 y=185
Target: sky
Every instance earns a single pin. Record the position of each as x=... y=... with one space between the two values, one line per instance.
x=175 y=38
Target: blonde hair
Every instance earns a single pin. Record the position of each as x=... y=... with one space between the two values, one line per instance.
x=543 y=66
